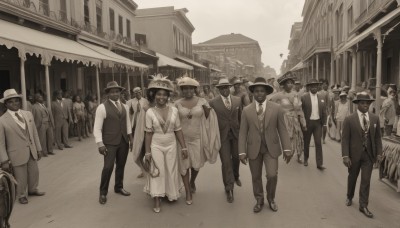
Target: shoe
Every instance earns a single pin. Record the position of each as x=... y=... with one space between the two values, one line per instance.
x=229 y=196
x=51 y=153
x=305 y=163
x=349 y=202
x=189 y=202
x=68 y=146
x=157 y=209
x=36 y=193
x=45 y=155
x=366 y=212
x=141 y=175
x=23 y=200
x=123 y=192
x=320 y=167
x=273 y=206
x=103 y=199
x=79 y=139
x=192 y=188
x=299 y=160
x=238 y=182
x=258 y=207
x=60 y=148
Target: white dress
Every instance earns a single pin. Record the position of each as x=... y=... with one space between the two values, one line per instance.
x=164 y=153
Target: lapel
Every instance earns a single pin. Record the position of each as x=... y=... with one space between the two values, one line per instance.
x=223 y=107
x=358 y=124
x=253 y=114
x=27 y=122
x=309 y=103
x=268 y=114
x=371 y=127
x=14 y=125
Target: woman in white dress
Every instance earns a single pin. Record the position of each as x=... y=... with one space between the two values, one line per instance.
x=163 y=130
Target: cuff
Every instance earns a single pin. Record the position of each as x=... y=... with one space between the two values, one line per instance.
x=242 y=154
x=100 y=144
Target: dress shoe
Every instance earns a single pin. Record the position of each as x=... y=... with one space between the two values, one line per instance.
x=258 y=207
x=238 y=182
x=157 y=209
x=52 y=153
x=45 y=155
x=36 y=193
x=60 y=148
x=273 y=206
x=305 y=163
x=123 y=192
x=229 y=196
x=299 y=160
x=349 y=202
x=68 y=146
x=141 y=175
x=103 y=199
x=320 y=167
x=23 y=200
x=366 y=212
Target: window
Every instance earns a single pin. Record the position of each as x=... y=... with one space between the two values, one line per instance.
x=112 y=20
x=86 y=11
x=140 y=39
x=99 y=16
x=350 y=20
x=63 y=10
x=44 y=7
x=128 y=28
x=363 y=6
x=120 y=25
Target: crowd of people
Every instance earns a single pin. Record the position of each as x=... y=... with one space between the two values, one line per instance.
x=172 y=136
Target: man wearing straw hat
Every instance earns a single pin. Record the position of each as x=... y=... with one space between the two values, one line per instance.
x=20 y=146
x=112 y=131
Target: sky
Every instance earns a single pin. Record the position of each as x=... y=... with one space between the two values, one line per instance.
x=267 y=21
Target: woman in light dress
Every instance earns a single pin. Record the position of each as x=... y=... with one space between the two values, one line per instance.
x=163 y=130
x=294 y=118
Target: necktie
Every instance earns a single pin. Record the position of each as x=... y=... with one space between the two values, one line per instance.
x=138 y=106
x=260 y=109
x=118 y=106
x=61 y=104
x=228 y=104
x=20 y=118
x=365 y=123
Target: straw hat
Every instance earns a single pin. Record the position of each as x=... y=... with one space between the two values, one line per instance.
x=313 y=82
x=187 y=81
x=237 y=81
x=8 y=94
x=287 y=76
x=343 y=93
x=260 y=81
x=161 y=82
x=223 y=82
x=113 y=85
x=363 y=96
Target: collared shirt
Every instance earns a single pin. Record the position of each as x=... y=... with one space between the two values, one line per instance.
x=360 y=117
x=314 y=107
x=264 y=105
x=225 y=99
x=99 y=120
x=12 y=113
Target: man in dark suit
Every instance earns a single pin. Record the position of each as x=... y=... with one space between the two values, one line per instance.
x=20 y=146
x=44 y=123
x=361 y=148
x=62 y=117
x=113 y=133
x=228 y=110
x=262 y=135
x=313 y=106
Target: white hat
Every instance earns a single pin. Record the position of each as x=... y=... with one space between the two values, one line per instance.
x=137 y=89
x=8 y=94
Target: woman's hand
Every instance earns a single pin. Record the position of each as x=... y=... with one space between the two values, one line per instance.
x=184 y=154
x=147 y=156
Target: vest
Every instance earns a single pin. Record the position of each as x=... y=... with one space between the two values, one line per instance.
x=26 y=133
x=114 y=125
x=367 y=144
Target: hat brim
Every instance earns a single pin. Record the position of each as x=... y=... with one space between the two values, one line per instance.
x=191 y=85
x=161 y=87
x=113 y=87
x=313 y=83
x=286 y=79
x=358 y=100
x=270 y=89
x=222 y=85
x=2 y=100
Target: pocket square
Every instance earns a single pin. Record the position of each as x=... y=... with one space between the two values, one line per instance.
x=322 y=101
x=374 y=125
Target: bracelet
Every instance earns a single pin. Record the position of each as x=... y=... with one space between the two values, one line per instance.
x=184 y=149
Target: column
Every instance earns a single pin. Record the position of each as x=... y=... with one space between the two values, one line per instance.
x=47 y=77
x=359 y=66
x=353 y=69
x=345 y=69
x=129 y=83
x=98 y=85
x=22 y=57
x=317 y=67
x=332 y=76
x=141 y=79
x=112 y=72
x=312 y=68
x=324 y=68
x=378 y=38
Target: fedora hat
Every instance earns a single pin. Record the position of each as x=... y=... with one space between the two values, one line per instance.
x=287 y=76
x=343 y=93
x=136 y=89
x=363 y=96
x=113 y=85
x=260 y=81
x=237 y=81
x=8 y=94
x=223 y=82
x=313 y=81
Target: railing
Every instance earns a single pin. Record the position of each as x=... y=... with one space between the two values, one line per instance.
x=372 y=9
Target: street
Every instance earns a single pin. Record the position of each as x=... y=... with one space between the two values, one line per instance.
x=306 y=197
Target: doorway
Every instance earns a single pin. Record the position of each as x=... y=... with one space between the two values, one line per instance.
x=5 y=81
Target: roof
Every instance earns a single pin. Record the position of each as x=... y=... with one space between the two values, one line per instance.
x=230 y=38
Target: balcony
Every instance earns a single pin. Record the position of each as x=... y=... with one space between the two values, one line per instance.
x=372 y=10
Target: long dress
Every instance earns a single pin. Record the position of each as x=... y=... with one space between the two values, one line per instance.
x=294 y=116
x=191 y=127
x=164 y=154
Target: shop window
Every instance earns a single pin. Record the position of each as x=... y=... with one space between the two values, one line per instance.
x=140 y=39
x=120 y=25
x=99 y=16
x=128 y=28
x=112 y=20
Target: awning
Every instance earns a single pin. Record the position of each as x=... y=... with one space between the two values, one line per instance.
x=164 y=61
x=47 y=46
x=298 y=66
x=383 y=21
x=115 y=58
x=191 y=62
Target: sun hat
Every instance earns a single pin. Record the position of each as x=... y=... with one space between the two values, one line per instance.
x=287 y=76
x=260 y=81
x=188 y=81
x=223 y=82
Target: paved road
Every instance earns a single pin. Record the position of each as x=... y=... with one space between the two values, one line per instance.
x=306 y=198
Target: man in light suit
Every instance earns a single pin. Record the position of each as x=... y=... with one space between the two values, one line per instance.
x=262 y=135
x=62 y=117
x=20 y=146
x=313 y=106
x=361 y=148
x=228 y=110
x=44 y=123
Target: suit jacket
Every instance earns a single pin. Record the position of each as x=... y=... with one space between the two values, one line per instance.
x=60 y=113
x=14 y=145
x=227 y=119
x=275 y=132
x=307 y=108
x=39 y=113
x=352 y=137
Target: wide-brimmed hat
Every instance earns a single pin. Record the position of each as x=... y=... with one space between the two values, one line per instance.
x=161 y=82
x=136 y=90
x=8 y=94
x=313 y=81
x=260 y=81
x=363 y=96
x=297 y=82
x=237 y=81
x=113 y=85
x=223 y=82
x=187 y=81
x=287 y=76
x=336 y=90
x=343 y=93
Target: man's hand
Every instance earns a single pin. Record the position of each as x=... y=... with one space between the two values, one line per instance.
x=6 y=166
x=379 y=159
x=39 y=155
x=304 y=128
x=347 y=162
x=243 y=159
x=287 y=158
x=103 y=150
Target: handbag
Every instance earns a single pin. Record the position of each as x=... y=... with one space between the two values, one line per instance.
x=150 y=167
